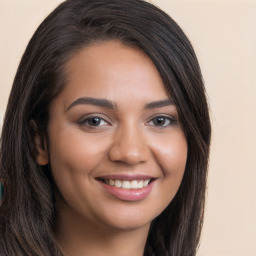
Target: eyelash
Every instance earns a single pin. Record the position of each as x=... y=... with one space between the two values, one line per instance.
x=171 y=121
x=168 y=121
x=85 y=121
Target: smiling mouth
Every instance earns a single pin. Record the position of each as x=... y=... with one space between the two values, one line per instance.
x=126 y=184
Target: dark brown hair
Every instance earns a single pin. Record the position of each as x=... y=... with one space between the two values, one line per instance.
x=27 y=210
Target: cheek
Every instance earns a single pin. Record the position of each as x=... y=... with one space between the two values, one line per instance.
x=73 y=152
x=74 y=157
x=171 y=155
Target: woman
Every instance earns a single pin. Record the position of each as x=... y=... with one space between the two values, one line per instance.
x=106 y=137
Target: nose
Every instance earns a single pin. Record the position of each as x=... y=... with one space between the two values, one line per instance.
x=129 y=146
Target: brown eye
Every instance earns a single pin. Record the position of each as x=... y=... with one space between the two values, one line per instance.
x=92 y=121
x=159 y=121
x=162 y=121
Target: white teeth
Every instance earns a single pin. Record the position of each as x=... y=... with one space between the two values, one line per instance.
x=140 y=184
x=126 y=184
x=145 y=183
x=133 y=184
x=111 y=182
x=118 y=183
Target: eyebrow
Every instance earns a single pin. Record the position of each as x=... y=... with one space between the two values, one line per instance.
x=111 y=105
x=93 y=101
x=159 y=104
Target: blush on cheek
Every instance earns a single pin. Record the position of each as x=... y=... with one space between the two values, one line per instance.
x=172 y=156
x=76 y=151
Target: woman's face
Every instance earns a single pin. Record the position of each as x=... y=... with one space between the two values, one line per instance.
x=117 y=151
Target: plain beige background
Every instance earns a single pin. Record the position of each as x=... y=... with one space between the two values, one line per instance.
x=223 y=33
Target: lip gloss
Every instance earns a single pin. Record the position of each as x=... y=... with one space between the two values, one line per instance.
x=128 y=194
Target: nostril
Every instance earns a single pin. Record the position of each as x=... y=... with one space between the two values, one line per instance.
x=129 y=145
x=128 y=154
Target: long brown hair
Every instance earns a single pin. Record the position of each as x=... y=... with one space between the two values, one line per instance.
x=27 y=211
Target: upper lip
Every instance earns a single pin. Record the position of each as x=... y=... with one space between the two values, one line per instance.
x=127 y=177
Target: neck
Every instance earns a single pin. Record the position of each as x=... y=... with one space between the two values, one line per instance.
x=80 y=237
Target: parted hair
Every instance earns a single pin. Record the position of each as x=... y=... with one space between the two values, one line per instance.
x=28 y=210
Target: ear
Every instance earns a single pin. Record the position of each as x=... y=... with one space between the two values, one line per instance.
x=38 y=144
x=42 y=157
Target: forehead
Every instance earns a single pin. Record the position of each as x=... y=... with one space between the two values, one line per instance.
x=114 y=71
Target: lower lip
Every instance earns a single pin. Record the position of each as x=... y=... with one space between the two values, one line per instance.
x=129 y=194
